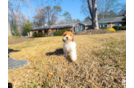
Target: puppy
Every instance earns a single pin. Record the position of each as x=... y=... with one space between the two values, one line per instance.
x=69 y=45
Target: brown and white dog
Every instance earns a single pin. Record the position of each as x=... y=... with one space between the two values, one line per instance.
x=69 y=45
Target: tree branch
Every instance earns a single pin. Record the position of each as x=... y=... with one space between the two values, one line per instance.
x=90 y=7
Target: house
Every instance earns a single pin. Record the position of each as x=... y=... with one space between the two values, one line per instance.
x=81 y=26
x=74 y=27
x=112 y=21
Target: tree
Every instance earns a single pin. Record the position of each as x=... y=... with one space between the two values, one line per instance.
x=66 y=14
x=87 y=19
x=15 y=11
x=92 y=5
x=48 y=11
x=47 y=15
x=68 y=18
x=27 y=27
x=14 y=28
x=75 y=20
x=56 y=10
x=9 y=31
x=62 y=21
x=52 y=14
x=122 y=12
x=109 y=14
x=40 y=17
x=105 y=6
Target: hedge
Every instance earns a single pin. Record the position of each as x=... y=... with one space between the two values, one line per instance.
x=119 y=27
x=60 y=32
x=39 y=34
x=103 y=28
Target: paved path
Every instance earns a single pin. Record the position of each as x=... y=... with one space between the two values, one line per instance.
x=14 y=63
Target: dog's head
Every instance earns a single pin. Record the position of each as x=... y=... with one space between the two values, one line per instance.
x=68 y=36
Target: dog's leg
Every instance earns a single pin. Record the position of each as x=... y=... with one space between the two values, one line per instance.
x=65 y=53
x=73 y=55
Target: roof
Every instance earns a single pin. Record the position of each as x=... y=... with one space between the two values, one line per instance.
x=87 y=23
x=62 y=25
x=112 y=19
x=124 y=18
x=55 y=26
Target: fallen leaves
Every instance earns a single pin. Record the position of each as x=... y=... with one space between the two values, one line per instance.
x=36 y=74
x=62 y=72
x=122 y=80
x=50 y=74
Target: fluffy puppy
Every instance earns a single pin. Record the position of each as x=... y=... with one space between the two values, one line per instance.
x=69 y=45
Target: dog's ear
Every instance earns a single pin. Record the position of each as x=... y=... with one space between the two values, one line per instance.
x=64 y=33
x=73 y=39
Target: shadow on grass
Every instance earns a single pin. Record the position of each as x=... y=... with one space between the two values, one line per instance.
x=58 y=52
x=10 y=85
x=12 y=50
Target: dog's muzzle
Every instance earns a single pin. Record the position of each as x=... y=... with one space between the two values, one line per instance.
x=67 y=38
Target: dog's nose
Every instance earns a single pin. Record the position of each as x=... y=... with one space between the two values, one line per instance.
x=67 y=38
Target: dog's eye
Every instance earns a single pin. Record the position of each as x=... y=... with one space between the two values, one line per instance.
x=64 y=35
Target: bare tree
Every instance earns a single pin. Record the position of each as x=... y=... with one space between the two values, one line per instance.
x=87 y=19
x=104 y=7
x=122 y=12
x=110 y=13
x=108 y=6
x=67 y=17
x=56 y=10
x=40 y=17
x=92 y=5
x=75 y=20
x=15 y=10
x=52 y=13
x=9 y=31
x=29 y=4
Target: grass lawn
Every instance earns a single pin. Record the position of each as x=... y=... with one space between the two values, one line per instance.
x=101 y=62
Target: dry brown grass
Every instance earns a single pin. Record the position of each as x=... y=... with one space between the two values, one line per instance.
x=101 y=63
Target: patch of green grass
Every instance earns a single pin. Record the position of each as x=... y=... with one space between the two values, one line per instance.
x=14 y=37
x=34 y=84
x=46 y=84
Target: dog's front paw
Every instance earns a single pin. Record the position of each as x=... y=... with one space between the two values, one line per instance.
x=73 y=59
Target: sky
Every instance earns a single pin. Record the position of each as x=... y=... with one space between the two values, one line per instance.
x=71 y=6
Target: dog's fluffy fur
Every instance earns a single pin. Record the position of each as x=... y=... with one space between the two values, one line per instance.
x=69 y=45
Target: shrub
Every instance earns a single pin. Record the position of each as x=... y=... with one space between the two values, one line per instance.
x=60 y=32
x=116 y=27
x=122 y=28
x=111 y=29
x=12 y=33
x=14 y=28
x=39 y=34
x=103 y=28
x=27 y=27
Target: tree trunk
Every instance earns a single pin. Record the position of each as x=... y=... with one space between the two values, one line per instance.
x=92 y=5
x=18 y=27
x=9 y=31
